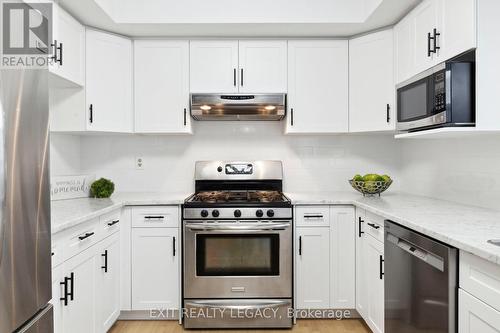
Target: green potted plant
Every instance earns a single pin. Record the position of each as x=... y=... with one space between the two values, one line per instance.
x=102 y=188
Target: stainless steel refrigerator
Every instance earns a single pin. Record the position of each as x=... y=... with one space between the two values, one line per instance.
x=25 y=250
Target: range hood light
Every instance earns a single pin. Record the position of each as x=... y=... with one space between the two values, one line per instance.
x=270 y=108
x=205 y=107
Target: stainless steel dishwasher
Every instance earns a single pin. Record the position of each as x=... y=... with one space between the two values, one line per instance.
x=420 y=283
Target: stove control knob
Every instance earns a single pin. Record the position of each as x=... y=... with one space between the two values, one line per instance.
x=219 y=169
x=204 y=213
x=215 y=213
x=259 y=213
x=237 y=213
x=270 y=213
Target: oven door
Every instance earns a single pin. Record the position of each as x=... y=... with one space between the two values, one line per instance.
x=238 y=260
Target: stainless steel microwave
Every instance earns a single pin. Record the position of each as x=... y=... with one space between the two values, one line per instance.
x=443 y=96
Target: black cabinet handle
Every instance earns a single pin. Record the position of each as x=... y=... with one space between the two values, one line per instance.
x=56 y=49
x=72 y=289
x=185 y=116
x=152 y=217
x=373 y=225
x=300 y=245
x=241 y=78
x=87 y=235
x=234 y=77
x=291 y=116
x=112 y=223
x=313 y=216
x=105 y=256
x=60 y=54
x=381 y=263
x=429 y=38
x=91 y=113
x=360 y=232
x=435 y=38
x=173 y=246
x=65 y=297
x=388 y=109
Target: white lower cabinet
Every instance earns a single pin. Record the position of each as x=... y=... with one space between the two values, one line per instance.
x=325 y=257
x=107 y=286
x=475 y=316
x=155 y=268
x=313 y=267
x=369 y=274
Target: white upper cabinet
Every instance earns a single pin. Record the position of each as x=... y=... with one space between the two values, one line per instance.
x=318 y=86
x=108 y=82
x=214 y=66
x=459 y=27
x=435 y=31
x=161 y=86
x=426 y=19
x=262 y=66
x=371 y=83
x=69 y=37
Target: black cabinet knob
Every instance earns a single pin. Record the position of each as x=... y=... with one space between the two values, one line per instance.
x=270 y=213
x=259 y=213
x=219 y=169
x=215 y=213
x=237 y=213
x=204 y=213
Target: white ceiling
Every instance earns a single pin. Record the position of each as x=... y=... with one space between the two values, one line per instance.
x=238 y=18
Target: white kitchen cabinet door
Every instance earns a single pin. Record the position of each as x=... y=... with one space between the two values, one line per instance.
x=458 y=28
x=79 y=314
x=371 y=83
x=108 y=82
x=318 y=85
x=57 y=293
x=362 y=281
x=374 y=254
x=426 y=18
x=107 y=272
x=69 y=33
x=214 y=66
x=313 y=268
x=343 y=257
x=404 y=40
x=475 y=316
x=262 y=66
x=155 y=268
x=161 y=86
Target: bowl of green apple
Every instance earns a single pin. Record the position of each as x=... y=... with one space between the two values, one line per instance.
x=371 y=184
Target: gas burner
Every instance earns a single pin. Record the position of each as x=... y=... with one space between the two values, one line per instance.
x=212 y=197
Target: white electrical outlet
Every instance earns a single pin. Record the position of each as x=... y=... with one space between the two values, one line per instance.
x=139 y=163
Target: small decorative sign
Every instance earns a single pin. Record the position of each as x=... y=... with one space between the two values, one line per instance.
x=70 y=187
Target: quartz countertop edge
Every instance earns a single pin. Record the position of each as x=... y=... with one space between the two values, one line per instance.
x=467 y=228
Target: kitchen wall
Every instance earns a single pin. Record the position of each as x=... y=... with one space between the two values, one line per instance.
x=465 y=170
x=65 y=154
x=311 y=163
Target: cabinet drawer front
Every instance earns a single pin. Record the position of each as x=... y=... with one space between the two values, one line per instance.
x=110 y=223
x=155 y=217
x=374 y=225
x=312 y=216
x=77 y=239
x=480 y=278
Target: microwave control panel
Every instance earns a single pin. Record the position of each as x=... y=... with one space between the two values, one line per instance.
x=440 y=91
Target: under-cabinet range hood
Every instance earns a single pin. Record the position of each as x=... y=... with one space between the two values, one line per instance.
x=238 y=106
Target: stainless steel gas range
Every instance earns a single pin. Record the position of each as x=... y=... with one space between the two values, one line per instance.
x=237 y=231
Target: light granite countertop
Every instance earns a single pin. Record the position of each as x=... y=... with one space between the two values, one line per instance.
x=465 y=227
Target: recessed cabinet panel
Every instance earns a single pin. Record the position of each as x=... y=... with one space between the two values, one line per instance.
x=161 y=86
x=214 y=66
x=262 y=66
x=371 y=83
x=317 y=86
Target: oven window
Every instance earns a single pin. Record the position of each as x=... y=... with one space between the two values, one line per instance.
x=413 y=102
x=237 y=255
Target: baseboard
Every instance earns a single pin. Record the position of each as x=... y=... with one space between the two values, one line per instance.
x=149 y=315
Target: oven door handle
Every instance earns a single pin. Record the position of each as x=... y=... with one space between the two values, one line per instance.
x=219 y=305
x=270 y=226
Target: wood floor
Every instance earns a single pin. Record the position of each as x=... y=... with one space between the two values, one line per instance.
x=303 y=326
